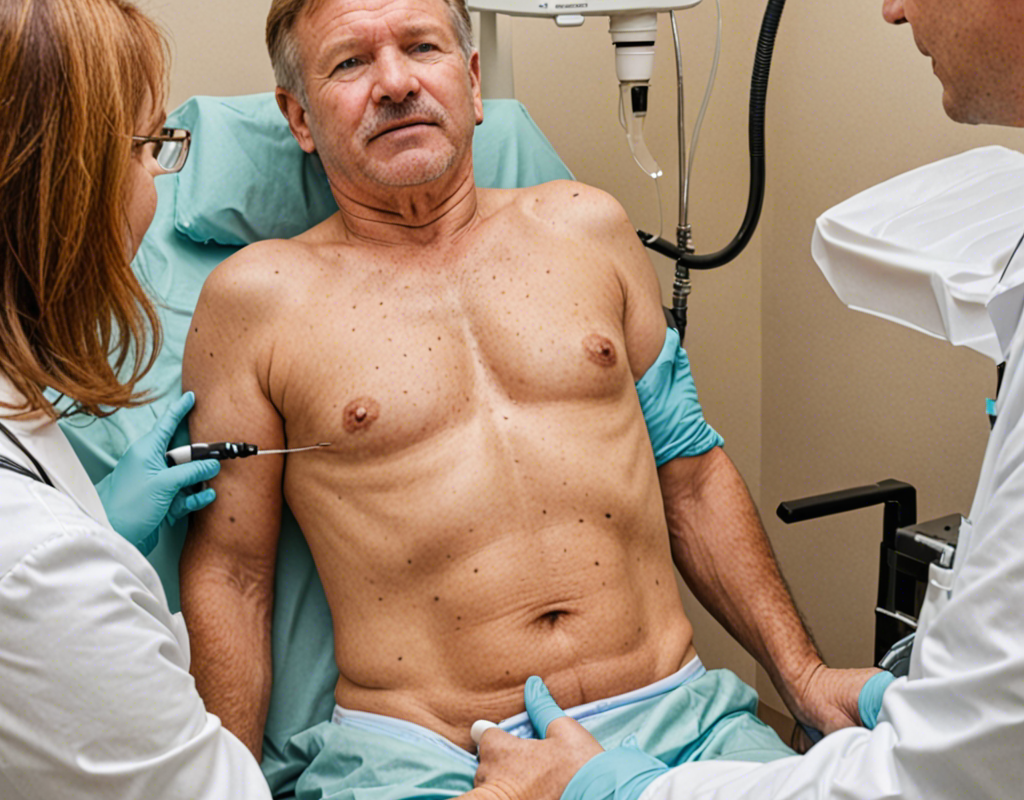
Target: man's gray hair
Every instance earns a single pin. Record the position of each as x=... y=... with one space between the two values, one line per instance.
x=284 y=46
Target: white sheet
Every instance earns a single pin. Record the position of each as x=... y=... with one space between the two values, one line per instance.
x=926 y=249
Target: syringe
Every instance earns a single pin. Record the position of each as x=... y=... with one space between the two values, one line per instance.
x=225 y=450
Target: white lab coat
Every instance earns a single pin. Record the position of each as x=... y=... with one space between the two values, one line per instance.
x=95 y=695
x=954 y=728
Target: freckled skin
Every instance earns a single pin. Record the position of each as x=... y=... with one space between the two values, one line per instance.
x=490 y=447
x=455 y=472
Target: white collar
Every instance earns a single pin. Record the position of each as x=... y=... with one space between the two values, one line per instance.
x=44 y=439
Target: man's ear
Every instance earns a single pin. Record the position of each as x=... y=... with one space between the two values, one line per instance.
x=474 y=79
x=297 y=118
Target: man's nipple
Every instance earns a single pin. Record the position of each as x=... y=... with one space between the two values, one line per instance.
x=600 y=350
x=360 y=414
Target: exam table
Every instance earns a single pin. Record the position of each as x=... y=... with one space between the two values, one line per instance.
x=246 y=180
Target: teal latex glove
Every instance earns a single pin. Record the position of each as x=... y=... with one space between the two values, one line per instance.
x=142 y=490
x=620 y=774
x=540 y=705
x=869 y=702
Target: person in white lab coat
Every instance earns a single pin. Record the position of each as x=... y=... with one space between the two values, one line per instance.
x=96 y=699
x=954 y=727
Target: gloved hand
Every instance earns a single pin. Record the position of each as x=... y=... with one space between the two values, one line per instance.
x=142 y=490
x=619 y=774
x=869 y=703
x=540 y=705
x=828 y=701
x=527 y=769
x=569 y=763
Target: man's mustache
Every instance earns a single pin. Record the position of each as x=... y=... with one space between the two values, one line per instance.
x=391 y=116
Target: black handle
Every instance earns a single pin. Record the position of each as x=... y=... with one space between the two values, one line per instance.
x=900 y=501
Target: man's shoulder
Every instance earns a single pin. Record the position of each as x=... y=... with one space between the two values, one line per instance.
x=267 y=268
x=259 y=257
x=578 y=205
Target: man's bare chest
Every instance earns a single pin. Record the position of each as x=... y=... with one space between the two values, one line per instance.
x=393 y=358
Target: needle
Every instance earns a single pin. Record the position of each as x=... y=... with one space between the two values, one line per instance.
x=293 y=449
x=225 y=450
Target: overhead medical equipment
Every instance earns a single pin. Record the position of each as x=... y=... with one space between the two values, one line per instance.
x=633 y=25
x=225 y=450
x=633 y=36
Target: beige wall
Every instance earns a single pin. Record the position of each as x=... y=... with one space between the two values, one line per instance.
x=216 y=46
x=809 y=396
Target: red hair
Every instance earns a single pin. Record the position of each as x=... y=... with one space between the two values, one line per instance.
x=75 y=77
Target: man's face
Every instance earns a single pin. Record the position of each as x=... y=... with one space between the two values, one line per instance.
x=392 y=100
x=977 y=52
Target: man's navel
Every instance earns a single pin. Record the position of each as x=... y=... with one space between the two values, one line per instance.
x=600 y=350
x=360 y=414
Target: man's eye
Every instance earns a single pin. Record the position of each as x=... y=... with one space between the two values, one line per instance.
x=348 y=63
x=424 y=47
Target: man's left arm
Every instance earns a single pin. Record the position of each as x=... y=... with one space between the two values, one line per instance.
x=723 y=553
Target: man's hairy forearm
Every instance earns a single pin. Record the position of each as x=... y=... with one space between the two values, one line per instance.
x=723 y=554
x=229 y=631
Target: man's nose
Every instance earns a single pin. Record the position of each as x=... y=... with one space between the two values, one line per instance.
x=396 y=81
x=892 y=12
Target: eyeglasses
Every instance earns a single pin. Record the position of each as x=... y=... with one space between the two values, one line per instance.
x=171 y=148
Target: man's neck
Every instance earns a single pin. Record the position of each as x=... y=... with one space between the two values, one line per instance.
x=416 y=215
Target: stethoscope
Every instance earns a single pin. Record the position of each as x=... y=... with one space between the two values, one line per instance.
x=14 y=466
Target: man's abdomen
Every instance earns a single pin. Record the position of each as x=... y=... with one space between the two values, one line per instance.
x=445 y=632
x=524 y=534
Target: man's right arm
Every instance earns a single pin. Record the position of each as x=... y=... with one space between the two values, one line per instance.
x=227 y=565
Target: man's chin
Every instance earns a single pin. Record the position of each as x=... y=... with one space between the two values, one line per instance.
x=404 y=172
x=959 y=111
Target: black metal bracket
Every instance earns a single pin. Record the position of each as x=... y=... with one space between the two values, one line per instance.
x=897 y=603
x=900 y=501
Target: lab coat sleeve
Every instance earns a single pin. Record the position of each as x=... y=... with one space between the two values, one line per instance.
x=955 y=727
x=96 y=699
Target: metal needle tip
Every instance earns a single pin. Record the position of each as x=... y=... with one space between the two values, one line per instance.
x=294 y=449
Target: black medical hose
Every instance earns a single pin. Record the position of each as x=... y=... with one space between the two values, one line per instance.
x=755 y=198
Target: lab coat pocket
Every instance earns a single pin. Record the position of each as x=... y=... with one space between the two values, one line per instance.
x=940 y=583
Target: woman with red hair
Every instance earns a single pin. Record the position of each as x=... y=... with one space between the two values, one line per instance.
x=96 y=699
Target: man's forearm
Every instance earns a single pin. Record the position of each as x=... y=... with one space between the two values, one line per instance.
x=723 y=554
x=229 y=631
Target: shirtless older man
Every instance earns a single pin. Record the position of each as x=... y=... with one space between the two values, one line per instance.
x=490 y=507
